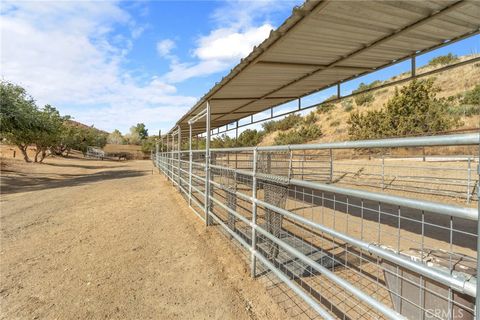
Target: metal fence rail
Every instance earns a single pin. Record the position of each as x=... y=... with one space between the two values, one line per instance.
x=355 y=248
x=95 y=153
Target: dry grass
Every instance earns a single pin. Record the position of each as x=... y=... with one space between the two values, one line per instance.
x=451 y=82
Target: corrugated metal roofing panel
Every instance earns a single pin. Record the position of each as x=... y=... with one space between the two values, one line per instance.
x=325 y=42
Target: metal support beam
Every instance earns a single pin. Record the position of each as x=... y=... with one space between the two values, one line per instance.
x=179 y=133
x=190 y=156
x=207 y=166
x=312 y=65
x=414 y=66
x=167 y=155
x=253 y=266
x=477 y=297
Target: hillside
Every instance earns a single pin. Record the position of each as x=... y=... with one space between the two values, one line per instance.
x=454 y=82
x=77 y=124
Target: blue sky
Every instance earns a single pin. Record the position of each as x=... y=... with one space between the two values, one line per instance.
x=113 y=64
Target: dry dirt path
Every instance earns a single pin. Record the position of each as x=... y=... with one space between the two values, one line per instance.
x=95 y=240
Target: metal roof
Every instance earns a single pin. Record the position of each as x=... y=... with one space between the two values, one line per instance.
x=326 y=42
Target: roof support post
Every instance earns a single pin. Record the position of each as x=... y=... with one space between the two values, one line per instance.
x=477 y=297
x=166 y=158
x=299 y=104
x=207 y=166
x=172 y=166
x=413 y=65
x=339 y=92
x=253 y=261
x=179 y=181
x=190 y=156
x=157 y=150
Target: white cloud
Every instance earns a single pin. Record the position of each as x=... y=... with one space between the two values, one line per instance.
x=66 y=53
x=237 y=32
x=229 y=44
x=165 y=46
x=217 y=52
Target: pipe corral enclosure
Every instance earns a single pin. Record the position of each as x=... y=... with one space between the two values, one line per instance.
x=356 y=229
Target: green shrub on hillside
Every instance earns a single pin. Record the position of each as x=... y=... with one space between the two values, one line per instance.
x=347 y=105
x=443 y=60
x=472 y=96
x=311 y=118
x=466 y=104
x=325 y=107
x=250 y=138
x=366 y=98
x=335 y=123
x=301 y=135
x=413 y=110
x=286 y=123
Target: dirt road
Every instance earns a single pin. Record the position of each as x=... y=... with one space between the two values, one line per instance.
x=99 y=239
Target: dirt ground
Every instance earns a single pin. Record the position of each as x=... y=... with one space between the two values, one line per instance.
x=91 y=239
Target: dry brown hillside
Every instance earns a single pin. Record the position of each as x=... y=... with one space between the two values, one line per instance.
x=451 y=82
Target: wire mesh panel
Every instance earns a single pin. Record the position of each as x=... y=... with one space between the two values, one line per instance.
x=274 y=172
x=360 y=253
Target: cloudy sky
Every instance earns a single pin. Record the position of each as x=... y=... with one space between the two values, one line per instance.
x=114 y=64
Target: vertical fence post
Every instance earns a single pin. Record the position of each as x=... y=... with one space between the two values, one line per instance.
x=172 y=156
x=469 y=178
x=383 y=171
x=413 y=66
x=477 y=298
x=179 y=133
x=155 y=156
x=331 y=165
x=303 y=165
x=190 y=159
x=207 y=166
x=167 y=174
x=253 y=265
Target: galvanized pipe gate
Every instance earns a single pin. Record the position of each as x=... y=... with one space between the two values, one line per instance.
x=369 y=254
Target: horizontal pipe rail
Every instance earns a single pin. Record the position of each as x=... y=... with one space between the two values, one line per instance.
x=302 y=294
x=458 y=283
x=428 y=141
x=430 y=206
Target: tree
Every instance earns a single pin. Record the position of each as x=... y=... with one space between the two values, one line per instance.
x=115 y=137
x=365 y=98
x=48 y=132
x=249 y=138
x=141 y=130
x=18 y=116
x=149 y=144
x=137 y=134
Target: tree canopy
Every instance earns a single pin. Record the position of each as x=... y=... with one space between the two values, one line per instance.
x=24 y=124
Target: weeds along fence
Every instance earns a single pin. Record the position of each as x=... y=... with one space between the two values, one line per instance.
x=396 y=239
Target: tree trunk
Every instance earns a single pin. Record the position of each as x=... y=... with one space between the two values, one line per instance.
x=23 y=149
x=43 y=156
x=36 y=154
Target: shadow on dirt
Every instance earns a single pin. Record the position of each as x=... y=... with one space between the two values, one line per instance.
x=82 y=166
x=23 y=183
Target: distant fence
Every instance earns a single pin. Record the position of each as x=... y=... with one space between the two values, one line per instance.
x=95 y=153
x=372 y=236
